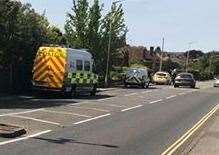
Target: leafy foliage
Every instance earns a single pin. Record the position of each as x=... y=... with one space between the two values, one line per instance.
x=87 y=28
x=22 y=31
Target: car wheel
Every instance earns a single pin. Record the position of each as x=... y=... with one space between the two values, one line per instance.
x=126 y=85
x=145 y=85
x=176 y=86
x=193 y=86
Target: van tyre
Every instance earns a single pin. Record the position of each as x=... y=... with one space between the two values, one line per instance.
x=71 y=93
x=94 y=91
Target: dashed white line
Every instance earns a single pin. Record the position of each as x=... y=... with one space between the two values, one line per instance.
x=138 y=106
x=172 y=96
x=105 y=99
x=94 y=118
x=24 y=138
x=182 y=93
x=23 y=112
x=79 y=103
x=66 y=113
x=155 y=101
x=144 y=92
x=35 y=119
x=114 y=105
x=87 y=108
x=130 y=94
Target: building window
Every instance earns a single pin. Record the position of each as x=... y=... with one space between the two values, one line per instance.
x=79 y=65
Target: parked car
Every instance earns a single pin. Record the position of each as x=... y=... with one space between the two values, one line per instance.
x=216 y=81
x=138 y=77
x=185 y=79
x=162 y=78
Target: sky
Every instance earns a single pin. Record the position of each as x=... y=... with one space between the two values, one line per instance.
x=148 y=21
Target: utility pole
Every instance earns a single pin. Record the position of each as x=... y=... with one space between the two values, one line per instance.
x=161 y=59
x=187 y=57
x=210 y=61
x=109 y=46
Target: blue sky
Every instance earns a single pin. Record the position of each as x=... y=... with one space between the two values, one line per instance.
x=179 y=22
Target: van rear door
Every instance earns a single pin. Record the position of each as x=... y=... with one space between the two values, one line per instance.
x=49 y=67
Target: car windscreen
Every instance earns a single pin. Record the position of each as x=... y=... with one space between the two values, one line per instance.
x=135 y=72
x=131 y=72
x=161 y=74
x=185 y=76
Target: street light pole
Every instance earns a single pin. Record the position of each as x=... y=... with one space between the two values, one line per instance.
x=161 y=59
x=109 y=46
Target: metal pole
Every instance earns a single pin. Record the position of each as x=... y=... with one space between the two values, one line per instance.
x=109 y=47
x=161 y=59
x=187 y=57
x=108 y=54
x=187 y=61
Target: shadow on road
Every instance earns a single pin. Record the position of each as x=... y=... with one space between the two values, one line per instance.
x=27 y=101
x=65 y=140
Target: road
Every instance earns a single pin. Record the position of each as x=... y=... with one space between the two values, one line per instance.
x=117 y=121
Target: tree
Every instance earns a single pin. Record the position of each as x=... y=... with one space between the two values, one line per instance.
x=113 y=26
x=76 y=26
x=22 y=31
x=55 y=36
x=87 y=28
x=93 y=33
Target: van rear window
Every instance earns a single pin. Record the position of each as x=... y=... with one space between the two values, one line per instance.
x=79 y=65
x=87 y=65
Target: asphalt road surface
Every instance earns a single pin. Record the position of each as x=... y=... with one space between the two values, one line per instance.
x=119 y=121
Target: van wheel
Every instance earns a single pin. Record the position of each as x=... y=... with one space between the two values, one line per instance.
x=94 y=91
x=70 y=93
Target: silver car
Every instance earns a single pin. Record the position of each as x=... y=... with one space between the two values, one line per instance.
x=137 y=76
x=216 y=81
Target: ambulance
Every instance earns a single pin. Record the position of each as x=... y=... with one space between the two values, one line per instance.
x=64 y=69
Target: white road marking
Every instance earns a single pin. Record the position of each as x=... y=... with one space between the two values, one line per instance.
x=130 y=94
x=144 y=92
x=172 y=96
x=66 y=113
x=138 y=106
x=115 y=105
x=35 y=119
x=23 y=112
x=105 y=99
x=94 y=118
x=182 y=93
x=87 y=108
x=24 y=138
x=155 y=101
x=79 y=103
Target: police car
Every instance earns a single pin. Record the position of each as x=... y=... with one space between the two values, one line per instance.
x=137 y=77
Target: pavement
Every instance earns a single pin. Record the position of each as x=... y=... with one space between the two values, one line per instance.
x=116 y=121
x=207 y=142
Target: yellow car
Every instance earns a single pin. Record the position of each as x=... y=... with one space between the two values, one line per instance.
x=162 y=78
